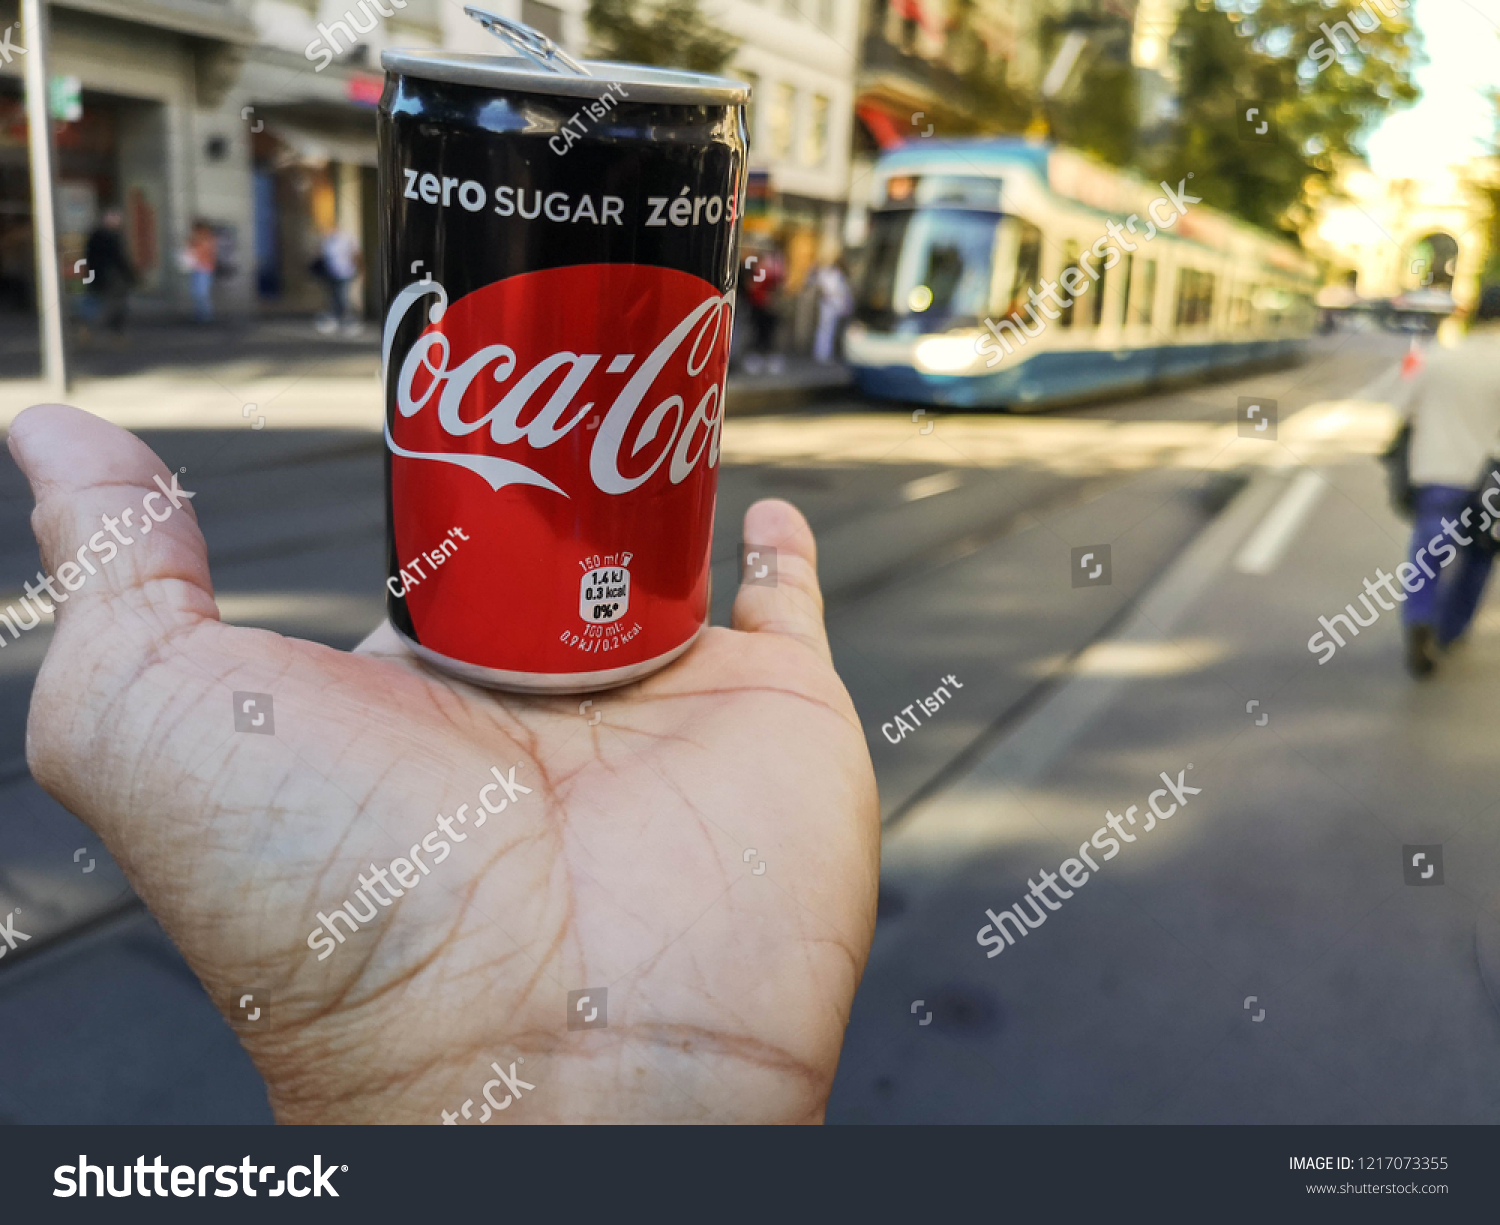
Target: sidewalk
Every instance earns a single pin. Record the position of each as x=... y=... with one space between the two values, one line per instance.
x=1257 y=958
x=291 y=344
x=282 y=373
x=800 y=383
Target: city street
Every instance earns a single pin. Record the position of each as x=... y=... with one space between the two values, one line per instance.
x=1257 y=957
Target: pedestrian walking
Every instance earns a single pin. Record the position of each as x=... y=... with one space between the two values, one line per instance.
x=1452 y=405
x=200 y=260
x=113 y=275
x=835 y=301
x=339 y=259
x=763 y=275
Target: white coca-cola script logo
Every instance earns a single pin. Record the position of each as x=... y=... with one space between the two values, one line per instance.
x=448 y=377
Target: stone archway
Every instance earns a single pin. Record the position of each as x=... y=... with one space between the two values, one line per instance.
x=1434 y=261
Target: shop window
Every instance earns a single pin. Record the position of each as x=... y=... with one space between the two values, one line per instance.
x=815 y=146
x=782 y=119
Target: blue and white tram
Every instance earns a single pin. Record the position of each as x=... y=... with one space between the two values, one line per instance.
x=1007 y=272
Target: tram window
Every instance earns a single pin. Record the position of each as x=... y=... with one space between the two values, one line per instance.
x=1195 y=297
x=1098 y=292
x=1146 y=296
x=1028 y=267
x=927 y=270
x=878 y=289
x=954 y=268
x=1271 y=303
x=1239 y=307
x=1069 y=295
x=1129 y=275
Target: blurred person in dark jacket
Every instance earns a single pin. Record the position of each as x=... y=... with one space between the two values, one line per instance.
x=111 y=269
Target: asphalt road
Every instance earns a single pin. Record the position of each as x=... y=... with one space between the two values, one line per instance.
x=946 y=550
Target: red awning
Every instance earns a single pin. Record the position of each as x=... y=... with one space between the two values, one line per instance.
x=886 y=130
x=915 y=10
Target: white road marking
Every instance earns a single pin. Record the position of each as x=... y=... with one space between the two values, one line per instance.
x=930 y=486
x=1270 y=541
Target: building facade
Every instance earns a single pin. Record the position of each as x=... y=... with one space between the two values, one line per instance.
x=1380 y=238
x=918 y=61
x=256 y=116
x=146 y=78
x=800 y=58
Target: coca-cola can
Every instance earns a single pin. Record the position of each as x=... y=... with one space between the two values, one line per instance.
x=558 y=250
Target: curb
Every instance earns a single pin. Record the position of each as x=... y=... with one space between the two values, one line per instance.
x=748 y=399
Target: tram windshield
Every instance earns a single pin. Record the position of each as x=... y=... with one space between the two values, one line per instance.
x=927 y=270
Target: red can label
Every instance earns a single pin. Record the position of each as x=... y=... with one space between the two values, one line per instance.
x=554 y=447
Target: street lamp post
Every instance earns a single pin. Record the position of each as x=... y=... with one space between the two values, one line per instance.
x=43 y=199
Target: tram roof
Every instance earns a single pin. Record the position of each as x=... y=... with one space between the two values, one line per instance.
x=991 y=148
x=1072 y=175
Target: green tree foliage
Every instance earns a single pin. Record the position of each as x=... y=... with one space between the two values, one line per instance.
x=670 y=34
x=1321 y=97
x=986 y=102
x=1099 y=110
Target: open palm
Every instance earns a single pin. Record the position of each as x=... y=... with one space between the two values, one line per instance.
x=703 y=845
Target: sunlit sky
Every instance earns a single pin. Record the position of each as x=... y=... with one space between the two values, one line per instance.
x=1453 y=120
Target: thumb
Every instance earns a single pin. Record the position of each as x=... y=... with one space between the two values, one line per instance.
x=116 y=530
x=779 y=577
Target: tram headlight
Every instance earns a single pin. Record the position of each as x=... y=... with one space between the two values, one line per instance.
x=945 y=354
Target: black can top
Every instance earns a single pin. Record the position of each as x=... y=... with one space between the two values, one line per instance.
x=504 y=72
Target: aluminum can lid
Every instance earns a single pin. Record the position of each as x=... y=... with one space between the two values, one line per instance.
x=514 y=73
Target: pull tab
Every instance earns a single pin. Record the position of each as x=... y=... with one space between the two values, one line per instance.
x=533 y=44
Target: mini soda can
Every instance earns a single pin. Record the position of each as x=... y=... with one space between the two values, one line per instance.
x=558 y=247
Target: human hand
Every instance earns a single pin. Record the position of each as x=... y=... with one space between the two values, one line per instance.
x=623 y=867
